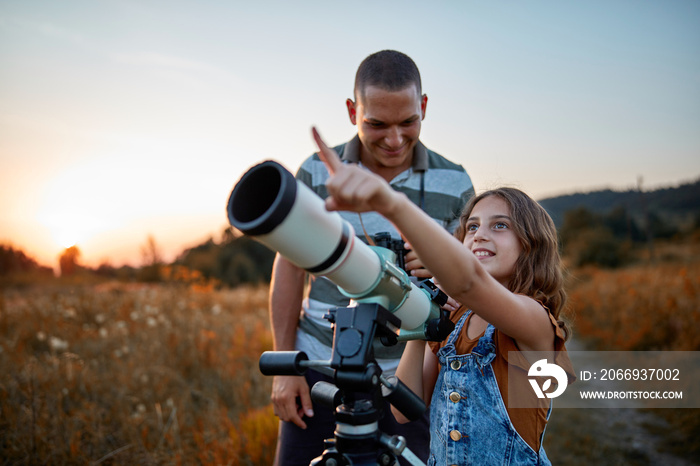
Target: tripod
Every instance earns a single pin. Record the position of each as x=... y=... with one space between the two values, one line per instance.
x=357 y=439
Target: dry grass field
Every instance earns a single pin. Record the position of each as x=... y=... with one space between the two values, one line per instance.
x=134 y=374
x=652 y=306
x=114 y=373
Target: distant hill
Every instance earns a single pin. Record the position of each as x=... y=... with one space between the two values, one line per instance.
x=679 y=205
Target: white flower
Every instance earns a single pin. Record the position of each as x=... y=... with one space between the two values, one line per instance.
x=56 y=344
x=140 y=410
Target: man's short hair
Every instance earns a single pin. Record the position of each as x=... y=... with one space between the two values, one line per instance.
x=389 y=70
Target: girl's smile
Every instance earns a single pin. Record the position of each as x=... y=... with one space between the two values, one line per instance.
x=482 y=253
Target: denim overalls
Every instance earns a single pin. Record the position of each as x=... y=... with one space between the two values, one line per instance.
x=469 y=423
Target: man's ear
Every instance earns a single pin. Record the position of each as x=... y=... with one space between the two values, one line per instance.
x=423 y=105
x=352 y=113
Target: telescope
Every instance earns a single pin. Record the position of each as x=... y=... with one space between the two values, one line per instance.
x=270 y=205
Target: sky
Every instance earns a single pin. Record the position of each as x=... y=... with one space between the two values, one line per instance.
x=121 y=120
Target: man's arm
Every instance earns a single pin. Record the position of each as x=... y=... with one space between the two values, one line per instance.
x=286 y=294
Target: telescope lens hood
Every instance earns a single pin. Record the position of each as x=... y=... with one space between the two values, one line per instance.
x=262 y=198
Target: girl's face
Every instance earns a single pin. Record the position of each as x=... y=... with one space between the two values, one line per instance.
x=492 y=239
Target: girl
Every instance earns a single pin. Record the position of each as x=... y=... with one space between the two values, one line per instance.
x=504 y=267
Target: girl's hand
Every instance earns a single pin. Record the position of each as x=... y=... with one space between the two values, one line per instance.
x=352 y=188
x=452 y=304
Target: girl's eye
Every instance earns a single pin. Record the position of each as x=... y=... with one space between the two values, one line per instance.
x=472 y=227
x=501 y=226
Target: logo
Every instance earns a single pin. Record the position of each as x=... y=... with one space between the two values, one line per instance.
x=544 y=369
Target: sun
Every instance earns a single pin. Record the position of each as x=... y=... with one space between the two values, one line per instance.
x=73 y=210
x=65 y=238
x=68 y=229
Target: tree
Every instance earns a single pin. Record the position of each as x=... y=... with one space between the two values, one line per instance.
x=68 y=261
x=590 y=238
x=16 y=261
x=150 y=252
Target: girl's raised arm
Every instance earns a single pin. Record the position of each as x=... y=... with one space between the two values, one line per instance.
x=352 y=188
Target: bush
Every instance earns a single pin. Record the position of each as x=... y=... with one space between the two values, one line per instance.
x=597 y=246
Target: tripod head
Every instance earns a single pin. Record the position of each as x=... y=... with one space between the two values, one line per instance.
x=358 y=390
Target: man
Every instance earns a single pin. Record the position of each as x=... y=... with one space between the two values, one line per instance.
x=388 y=110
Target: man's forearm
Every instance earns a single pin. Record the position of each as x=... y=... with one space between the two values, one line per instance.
x=286 y=294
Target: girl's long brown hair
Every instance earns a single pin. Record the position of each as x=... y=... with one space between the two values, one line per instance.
x=538 y=271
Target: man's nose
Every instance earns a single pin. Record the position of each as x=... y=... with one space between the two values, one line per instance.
x=394 y=138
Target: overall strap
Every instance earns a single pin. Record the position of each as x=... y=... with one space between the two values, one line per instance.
x=449 y=349
x=458 y=328
x=485 y=350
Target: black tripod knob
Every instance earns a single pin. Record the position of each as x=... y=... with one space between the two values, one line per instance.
x=283 y=363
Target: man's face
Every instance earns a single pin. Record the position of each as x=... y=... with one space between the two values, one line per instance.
x=388 y=124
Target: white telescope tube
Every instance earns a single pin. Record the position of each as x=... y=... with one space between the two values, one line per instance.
x=272 y=207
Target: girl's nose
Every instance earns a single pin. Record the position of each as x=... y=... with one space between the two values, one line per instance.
x=481 y=234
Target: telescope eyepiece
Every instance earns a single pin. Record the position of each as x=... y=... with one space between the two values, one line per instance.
x=262 y=198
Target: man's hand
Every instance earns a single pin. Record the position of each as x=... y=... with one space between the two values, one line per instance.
x=287 y=393
x=413 y=264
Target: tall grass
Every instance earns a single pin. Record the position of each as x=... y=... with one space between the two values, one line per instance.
x=127 y=374
x=110 y=373
x=649 y=307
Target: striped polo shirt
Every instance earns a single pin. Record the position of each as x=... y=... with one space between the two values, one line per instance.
x=439 y=186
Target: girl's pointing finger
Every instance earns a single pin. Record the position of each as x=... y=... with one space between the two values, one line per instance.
x=328 y=155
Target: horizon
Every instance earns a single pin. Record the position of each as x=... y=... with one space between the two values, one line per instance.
x=192 y=244
x=122 y=120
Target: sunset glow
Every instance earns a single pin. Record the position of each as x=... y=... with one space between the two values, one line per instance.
x=124 y=120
